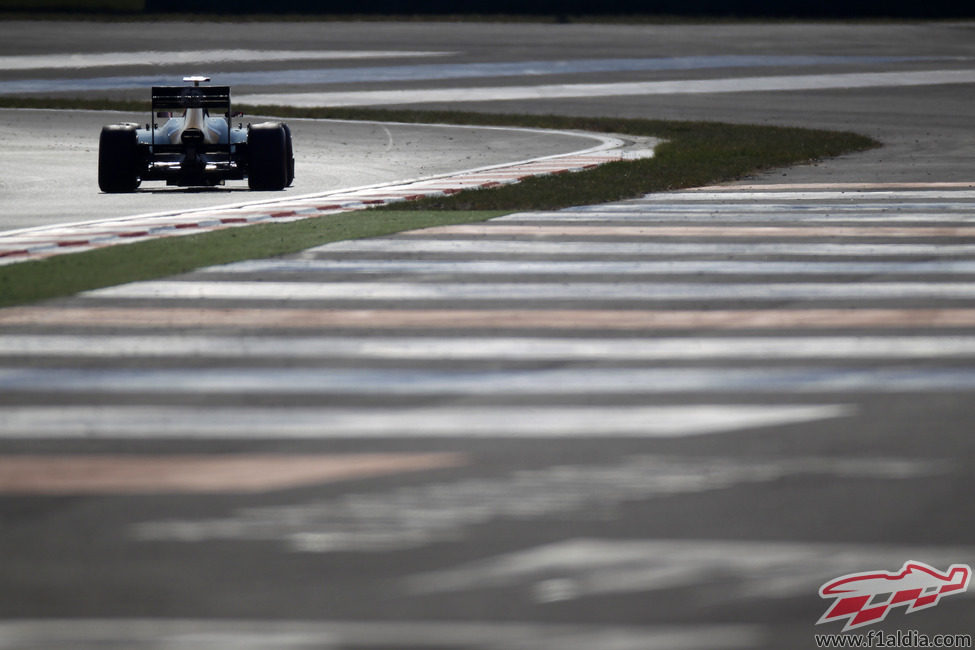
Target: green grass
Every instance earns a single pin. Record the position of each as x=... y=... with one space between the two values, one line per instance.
x=63 y=275
x=694 y=154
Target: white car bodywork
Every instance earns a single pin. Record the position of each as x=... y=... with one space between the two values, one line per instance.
x=214 y=129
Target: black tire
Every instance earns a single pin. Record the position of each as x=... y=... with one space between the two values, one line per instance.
x=267 y=157
x=118 y=158
x=289 y=154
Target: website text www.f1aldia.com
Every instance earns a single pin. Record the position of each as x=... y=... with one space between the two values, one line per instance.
x=897 y=639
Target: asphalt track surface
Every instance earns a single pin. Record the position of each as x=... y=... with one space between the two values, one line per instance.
x=663 y=423
x=49 y=171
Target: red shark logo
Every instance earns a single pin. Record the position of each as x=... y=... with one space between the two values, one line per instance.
x=866 y=598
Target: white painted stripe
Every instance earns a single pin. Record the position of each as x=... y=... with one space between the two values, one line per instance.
x=194 y=57
x=560 y=91
x=564 y=267
x=531 y=291
x=488 y=348
x=778 y=187
x=423 y=381
x=531 y=317
x=819 y=195
x=684 y=231
x=387 y=73
x=793 y=214
x=221 y=634
x=448 y=509
x=470 y=247
x=686 y=203
x=460 y=422
x=758 y=568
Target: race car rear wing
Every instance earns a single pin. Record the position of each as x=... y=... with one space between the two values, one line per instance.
x=183 y=97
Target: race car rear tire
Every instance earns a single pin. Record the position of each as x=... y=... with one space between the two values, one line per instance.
x=118 y=158
x=289 y=154
x=267 y=153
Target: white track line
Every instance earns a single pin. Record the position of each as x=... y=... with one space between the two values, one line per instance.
x=818 y=195
x=637 y=88
x=531 y=317
x=194 y=57
x=594 y=292
x=715 y=231
x=470 y=247
x=511 y=382
x=437 y=422
x=471 y=348
x=600 y=567
x=564 y=267
x=958 y=213
x=192 y=634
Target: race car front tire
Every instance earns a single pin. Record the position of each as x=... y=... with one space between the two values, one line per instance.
x=267 y=154
x=118 y=158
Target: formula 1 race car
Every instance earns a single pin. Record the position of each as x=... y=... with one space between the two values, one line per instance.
x=194 y=147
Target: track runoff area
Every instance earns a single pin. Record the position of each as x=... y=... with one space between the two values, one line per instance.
x=658 y=423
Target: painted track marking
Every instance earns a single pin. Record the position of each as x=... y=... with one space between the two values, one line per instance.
x=488 y=319
x=482 y=348
x=783 y=83
x=374 y=351
x=508 y=421
x=186 y=634
x=234 y=473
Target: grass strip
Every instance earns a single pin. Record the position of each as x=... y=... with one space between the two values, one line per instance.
x=64 y=275
x=694 y=154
